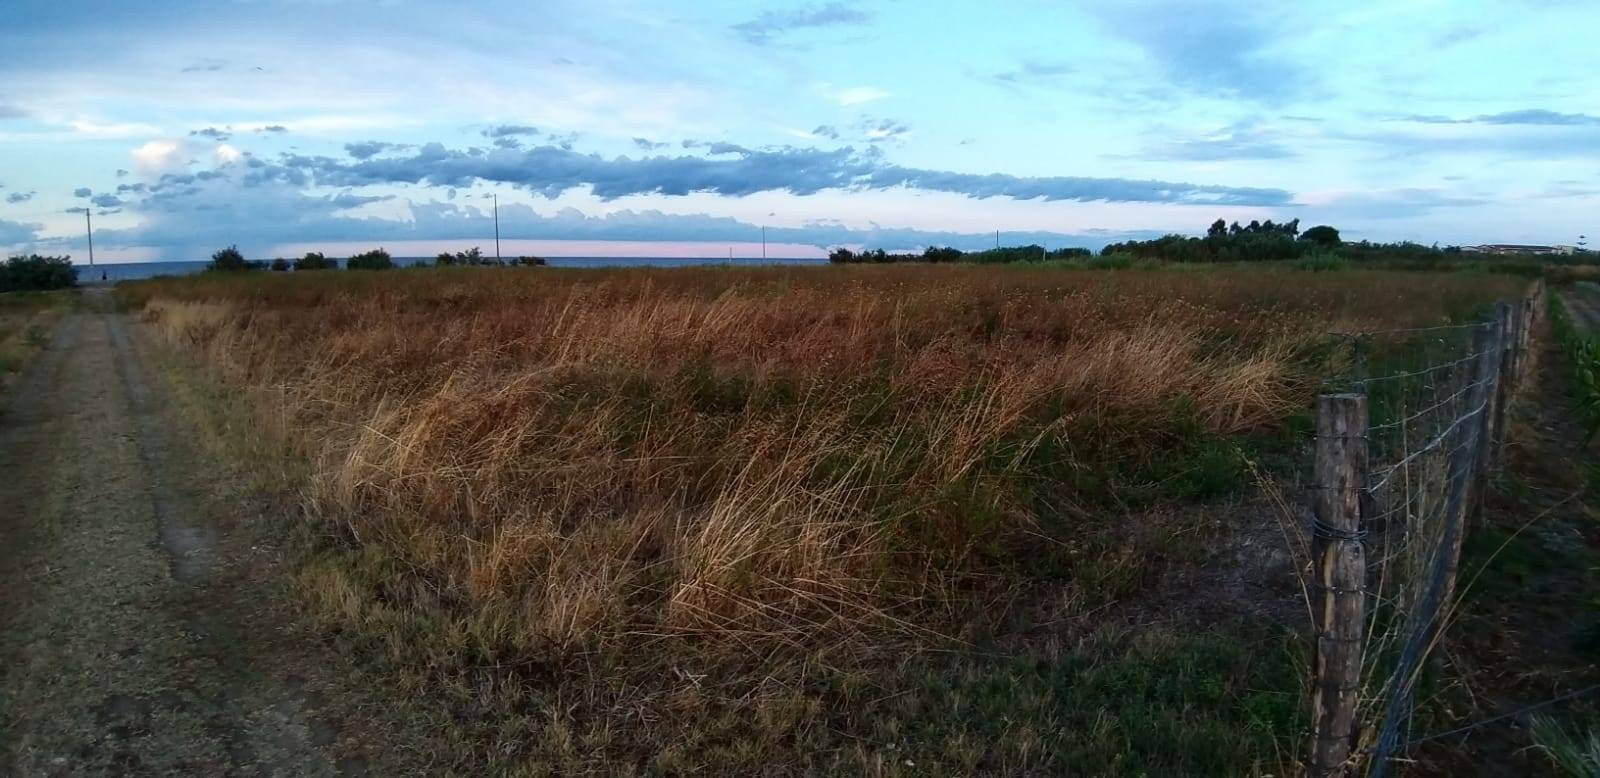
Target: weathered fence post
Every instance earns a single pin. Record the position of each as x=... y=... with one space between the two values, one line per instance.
x=1487 y=343
x=1341 y=574
x=1504 y=375
x=1514 y=348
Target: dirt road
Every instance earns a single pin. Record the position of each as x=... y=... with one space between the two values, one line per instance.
x=140 y=631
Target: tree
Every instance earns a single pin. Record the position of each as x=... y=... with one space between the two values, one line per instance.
x=229 y=260
x=313 y=260
x=528 y=261
x=280 y=264
x=376 y=259
x=1321 y=235
x=1219 y=229
x=35 y=272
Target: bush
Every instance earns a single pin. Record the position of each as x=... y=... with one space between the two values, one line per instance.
x=1321 y=261
x=229 y=260
x=313 y=260
x=280 y=265
x=376 y=259
x=34 y=272
x=528 y=261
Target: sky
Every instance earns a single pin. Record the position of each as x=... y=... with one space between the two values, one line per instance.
x=617 y=127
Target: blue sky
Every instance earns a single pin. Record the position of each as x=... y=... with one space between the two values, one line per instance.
x=612 y=126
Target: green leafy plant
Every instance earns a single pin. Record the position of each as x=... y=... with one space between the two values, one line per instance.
x=1583 y=353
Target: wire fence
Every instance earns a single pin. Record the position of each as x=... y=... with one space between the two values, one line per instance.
x=1404 y=444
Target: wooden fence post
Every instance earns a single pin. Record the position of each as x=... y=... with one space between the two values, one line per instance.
x=1341 y=575
x=1485 y=343
x=1505 y=316
x=1514 y=349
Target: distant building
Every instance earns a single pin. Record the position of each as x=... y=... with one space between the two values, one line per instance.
x=1518 y=248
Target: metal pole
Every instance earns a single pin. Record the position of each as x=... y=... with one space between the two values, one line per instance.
x=496 y=228
x=88 y=227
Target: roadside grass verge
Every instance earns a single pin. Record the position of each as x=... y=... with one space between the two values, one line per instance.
x=861 y=519
x=26 y=320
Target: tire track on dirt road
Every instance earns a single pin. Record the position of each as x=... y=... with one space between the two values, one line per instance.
x=140 y=635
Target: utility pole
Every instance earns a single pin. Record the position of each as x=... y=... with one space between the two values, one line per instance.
x=496 y=228
x=997 y=239
x=88 y=228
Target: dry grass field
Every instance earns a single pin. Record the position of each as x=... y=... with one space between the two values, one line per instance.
x=25 y=322
x=872 y=519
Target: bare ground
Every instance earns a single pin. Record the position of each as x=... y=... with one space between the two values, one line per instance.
x=140 y=631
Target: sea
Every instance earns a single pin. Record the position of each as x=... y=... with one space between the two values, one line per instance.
x=133 y=271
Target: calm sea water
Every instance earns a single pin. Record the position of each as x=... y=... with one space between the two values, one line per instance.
x=131 y=271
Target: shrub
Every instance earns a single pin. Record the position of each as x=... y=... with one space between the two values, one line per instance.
x=32 y=272
x=313 y=260
x=528 y=261
x=229 y=260
x=1321 y=261
x=280 y=265
x=376 y=259
x=472 y=257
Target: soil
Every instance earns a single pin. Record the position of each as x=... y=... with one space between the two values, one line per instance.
x=143 y=624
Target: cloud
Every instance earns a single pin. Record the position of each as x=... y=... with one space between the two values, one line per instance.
x=273 y=128
x=113 y=129
x=122 y=173
x=258 y=217
x=504 y=130
x=770 y=24
x=1213 y=47
x=82 y=191
x=20 y=197
x=1240 y=141
x=1385 y=204
x=212 y=133
x=106 y=201
x=345 y=200
x=8 y=111
x=885 y=130
x=158 y=157
x=1033 y=71
x=648 y=145
x=1537 y=117
x=205 y=66
x=858 y=95
x=737 y=171
x=17 y=233
x=369 y=148
x=826 y=131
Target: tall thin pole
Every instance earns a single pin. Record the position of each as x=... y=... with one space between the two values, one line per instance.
x=496 y=228
x=997 y=239
x=763 y=241
x=88 y=228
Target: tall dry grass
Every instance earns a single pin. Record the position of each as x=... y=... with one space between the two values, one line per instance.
x=588 y=461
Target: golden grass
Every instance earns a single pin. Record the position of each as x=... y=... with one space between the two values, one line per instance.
x=572 y=467
x=772 y=455
x=26 y=321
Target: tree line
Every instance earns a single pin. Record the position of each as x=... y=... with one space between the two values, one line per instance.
x=231 y=260
x=1002 y=254
x=1256 y=241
